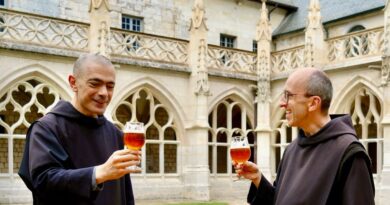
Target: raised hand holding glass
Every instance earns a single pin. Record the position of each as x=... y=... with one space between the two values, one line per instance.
x=134 y=137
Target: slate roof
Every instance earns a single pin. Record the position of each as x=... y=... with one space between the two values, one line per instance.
x=331 y=10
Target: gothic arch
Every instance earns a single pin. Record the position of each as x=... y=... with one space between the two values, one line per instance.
x=159 y=91
x=38 y=72
x=342 y=100
x=145 y=100
x=27 y=93
x=237 y=95
x=231 y=113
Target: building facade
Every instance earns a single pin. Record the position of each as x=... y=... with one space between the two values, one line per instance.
x=196 y=73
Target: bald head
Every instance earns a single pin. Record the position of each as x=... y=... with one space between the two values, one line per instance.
x=316 y=83
x=82 y=62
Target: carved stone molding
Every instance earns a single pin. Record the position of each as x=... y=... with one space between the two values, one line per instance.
x=385 y=78
x=309 y=53
x=386 y=38
x=264 y=77
x=315 y=46
x=29 y=30
x=202 y=82
x=263 y=37
x=104 y=32
x=385 y=75
x=96 y=4
x=263 y=29
x=198 y=15
x=99 y=34
x=314 y=17
x=263 y=91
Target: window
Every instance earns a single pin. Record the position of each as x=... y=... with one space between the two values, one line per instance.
x=227 y=41
x=36 y=97
x=2 y=2
x=228 y=119
x=281 y=137
x=254 y=46
x=356 y=28
x=162 y=144
x=365 y=111
x=131 y=23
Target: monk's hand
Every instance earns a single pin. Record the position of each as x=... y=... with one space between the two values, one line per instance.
x=248 y=170
x=117 y=165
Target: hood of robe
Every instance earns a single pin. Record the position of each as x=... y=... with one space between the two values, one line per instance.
x=66 y=109
x=339 y=125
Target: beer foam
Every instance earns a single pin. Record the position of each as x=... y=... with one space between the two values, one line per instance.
x=134 y=131
x=239 y=147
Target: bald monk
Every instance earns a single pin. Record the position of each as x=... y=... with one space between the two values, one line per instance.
x=74 y=155
x=325 y=164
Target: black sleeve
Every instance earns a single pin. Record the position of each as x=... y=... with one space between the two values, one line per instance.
x=359 y=186
x=264 y=195
x=51 y=170
x=353 y=183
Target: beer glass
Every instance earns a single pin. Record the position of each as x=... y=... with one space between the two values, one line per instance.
x=240 y=150
x=134 y=137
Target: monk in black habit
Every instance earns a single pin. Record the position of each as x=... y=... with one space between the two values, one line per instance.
x=325 y=164
x=74 y=155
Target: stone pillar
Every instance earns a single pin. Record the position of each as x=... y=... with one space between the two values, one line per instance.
x=384 y=183
x=99 y=30
x=196 y=169
x=263 y=94
x=315 y=46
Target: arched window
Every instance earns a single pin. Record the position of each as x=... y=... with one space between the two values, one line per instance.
x=282 y=136
x=356 y=28
x=161 y=147
x=357 y=44
x=365 y=111
x=227 y=119
x=25 y=102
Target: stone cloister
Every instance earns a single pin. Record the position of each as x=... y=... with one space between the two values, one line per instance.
x=192 y=96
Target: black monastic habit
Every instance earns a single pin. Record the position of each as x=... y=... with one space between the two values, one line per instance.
x=328 y=168
x=61 y=151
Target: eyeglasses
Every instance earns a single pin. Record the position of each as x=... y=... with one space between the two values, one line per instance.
x=287 y=95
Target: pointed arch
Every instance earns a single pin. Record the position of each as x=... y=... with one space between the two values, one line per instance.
x=362 y=100
x=146 y=100
x=231 y=113
x=26 y=94
x=159 y=91
x=346 y=95
x=38 y=72
x=237 y=95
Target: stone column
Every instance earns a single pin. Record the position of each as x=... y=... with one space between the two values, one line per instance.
x=384 y=183
x=99 y=30
x=263 y=94
x=196 y=169
x=315 y=46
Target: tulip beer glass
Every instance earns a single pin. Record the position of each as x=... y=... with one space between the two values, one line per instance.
x=134 y=137
x=240 y=151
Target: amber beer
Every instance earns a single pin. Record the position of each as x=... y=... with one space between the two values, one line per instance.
x=134 y=140
x=240 y=154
